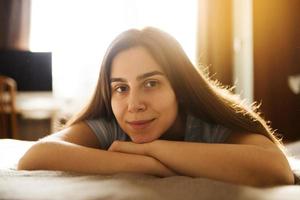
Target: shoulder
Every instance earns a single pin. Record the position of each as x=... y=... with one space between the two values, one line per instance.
x=101 y=124
x=106 y=130
x=202 y=131
x=78 y=133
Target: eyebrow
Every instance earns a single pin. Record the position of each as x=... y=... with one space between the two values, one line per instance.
x=140 y=77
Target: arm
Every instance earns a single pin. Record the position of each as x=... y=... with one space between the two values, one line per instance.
x=252 y=159
x=65 y=151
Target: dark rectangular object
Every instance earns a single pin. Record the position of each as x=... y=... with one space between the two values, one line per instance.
x=31 y=70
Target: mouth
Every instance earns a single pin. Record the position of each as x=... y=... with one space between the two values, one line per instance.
x=140 y=124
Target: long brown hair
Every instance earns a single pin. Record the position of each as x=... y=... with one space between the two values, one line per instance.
x=196 y=93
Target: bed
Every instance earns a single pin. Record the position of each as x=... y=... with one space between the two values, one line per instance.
x=44 y=184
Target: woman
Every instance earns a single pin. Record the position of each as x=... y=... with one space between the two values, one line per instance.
x=153 y=112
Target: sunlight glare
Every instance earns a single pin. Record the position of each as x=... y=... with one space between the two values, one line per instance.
x=78 y=32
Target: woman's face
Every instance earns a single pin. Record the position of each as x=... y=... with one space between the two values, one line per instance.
x=142 y=100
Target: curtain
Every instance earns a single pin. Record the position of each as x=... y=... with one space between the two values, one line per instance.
x=214 y=43
x=14 y=24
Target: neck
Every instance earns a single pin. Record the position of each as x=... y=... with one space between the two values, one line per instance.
x=177 y=130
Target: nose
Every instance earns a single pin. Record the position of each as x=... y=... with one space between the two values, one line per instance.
x=136 y=102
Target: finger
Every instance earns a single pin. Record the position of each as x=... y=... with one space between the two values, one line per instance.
x=127 y=147
x=115 y=146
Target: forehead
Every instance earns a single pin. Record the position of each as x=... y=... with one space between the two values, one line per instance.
x=133 y=62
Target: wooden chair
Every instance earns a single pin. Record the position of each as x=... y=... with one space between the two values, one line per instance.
x=8 y=115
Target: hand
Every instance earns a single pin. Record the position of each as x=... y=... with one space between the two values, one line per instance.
x=130 y=147
x=144 y=149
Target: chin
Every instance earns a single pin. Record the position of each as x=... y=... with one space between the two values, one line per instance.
x=142 y=139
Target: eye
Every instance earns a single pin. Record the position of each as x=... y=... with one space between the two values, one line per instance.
x=151 y=83
x=121 y=89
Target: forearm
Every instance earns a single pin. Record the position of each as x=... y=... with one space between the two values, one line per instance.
x=244 y=164
x=59 y=155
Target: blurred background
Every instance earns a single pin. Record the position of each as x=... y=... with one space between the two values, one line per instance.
x=52 y=50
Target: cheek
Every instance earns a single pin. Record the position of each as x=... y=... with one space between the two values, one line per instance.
x=166 y=101
x=172 y=109
x=117 y=108
x=167 y=105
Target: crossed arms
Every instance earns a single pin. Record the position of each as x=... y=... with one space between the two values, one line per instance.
x=249 y=159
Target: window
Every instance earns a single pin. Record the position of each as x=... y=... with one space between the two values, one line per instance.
x=77 y=32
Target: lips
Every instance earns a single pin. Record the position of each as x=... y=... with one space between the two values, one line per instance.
x=140 y=124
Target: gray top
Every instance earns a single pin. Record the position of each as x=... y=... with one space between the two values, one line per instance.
x=196 y=131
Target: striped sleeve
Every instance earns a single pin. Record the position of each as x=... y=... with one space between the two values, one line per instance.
x=200 y=131
x=106 y=131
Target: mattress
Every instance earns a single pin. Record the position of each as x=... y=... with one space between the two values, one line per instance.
x=43 y=184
